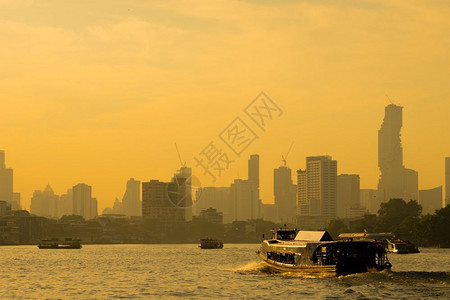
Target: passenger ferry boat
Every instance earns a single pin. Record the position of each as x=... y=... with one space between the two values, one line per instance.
x=210 y=244
x=315 y=252
x=55 y=243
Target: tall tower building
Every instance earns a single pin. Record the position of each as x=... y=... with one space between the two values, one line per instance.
x=183 y=179
x=317 y=188
x=244 y=194
x=302 y=199
x=395 y=180
x=253 y=170
x=284 y=192
x=348 y=196
x=6 y=180
x=447 y=182
x=83 y=203
x=131 y=201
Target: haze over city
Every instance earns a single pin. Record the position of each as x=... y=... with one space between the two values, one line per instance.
x=102 y=95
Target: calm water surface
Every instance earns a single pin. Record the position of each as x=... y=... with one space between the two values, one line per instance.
x=185 y=271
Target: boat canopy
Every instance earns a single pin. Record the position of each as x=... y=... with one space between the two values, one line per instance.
x=313 y=236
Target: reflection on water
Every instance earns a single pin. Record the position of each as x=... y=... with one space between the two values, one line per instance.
x=154 y=271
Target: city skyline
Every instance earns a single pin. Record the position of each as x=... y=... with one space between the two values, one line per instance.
x=91 y=96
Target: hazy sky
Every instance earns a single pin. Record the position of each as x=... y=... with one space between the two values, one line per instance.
x=99 y=91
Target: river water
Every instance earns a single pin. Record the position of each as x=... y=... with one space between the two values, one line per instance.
x=185 y=271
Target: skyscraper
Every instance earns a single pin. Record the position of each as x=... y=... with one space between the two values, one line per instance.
x=6 y=180
x=284 y=192
x=183 y=179
x=253 y=170
x=348 y=196
x=395 y=180
x=447 y=182
x=317 y=188
x=83 y=203
x=131 y=201
x=244 y=194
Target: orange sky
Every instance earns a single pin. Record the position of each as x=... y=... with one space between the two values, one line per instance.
x=99 y=91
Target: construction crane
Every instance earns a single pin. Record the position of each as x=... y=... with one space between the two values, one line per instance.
x=284 y=157
x=179 y=157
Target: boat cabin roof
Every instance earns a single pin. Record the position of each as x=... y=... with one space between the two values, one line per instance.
x=313 y=236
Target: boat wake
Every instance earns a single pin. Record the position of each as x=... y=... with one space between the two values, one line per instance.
x=251 y=267
x=263 y=268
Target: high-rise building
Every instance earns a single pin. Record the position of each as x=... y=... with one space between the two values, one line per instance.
x=348 y=196
x=45 y=203
x=284 y=192
x=244 y=200
x=431 y=200
x=253 y=170
x=317 y=188
x=159 y=205
x=183 y=179
x=395 y=180
x=65 y=207
x=6 y=180
x=131 y=201
x=368 y=198
x=447 y=182
x=83 y=203
x=244 y=194
x=302 y=200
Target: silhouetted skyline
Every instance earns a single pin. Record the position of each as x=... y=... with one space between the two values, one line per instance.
x=101 y=95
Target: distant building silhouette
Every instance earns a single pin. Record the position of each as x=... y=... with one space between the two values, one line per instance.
x=183 y=179
x=285 y=193
x=6 y=184
x=45 y=203
x=65 y=208
x=368 y=198
x=395 y=181
x=269 y=212
x=210 y=215
x=447 y=182
x=244 y=194
x=348 y=196
x=83 y=203
x=317 y=191
x=131 y=201
x=431 y=200
x=159 y=201
x=215 y=197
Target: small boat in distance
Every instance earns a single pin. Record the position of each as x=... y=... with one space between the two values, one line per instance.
x=315 y=252
x=55 y=243
x=209 y=243
x=398 y=246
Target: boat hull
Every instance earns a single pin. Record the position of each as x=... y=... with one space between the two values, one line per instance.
x=59 y=247
x=319 y=270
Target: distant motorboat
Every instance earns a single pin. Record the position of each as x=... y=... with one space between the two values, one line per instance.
x=392 y=243
x=398 y=246
x=55 y=243
x=209 y=243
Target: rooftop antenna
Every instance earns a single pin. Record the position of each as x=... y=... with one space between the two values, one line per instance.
x=179 y=157
x=392 y=102
x=284 y=157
